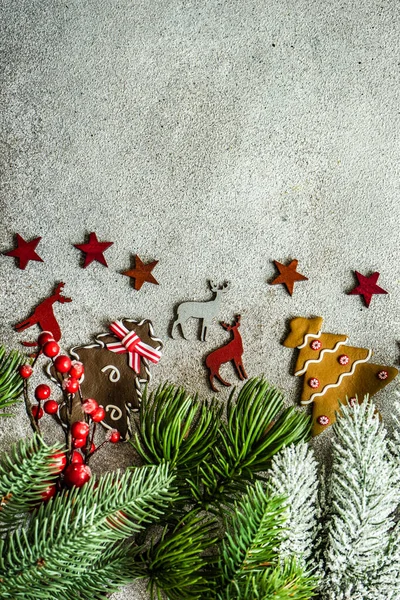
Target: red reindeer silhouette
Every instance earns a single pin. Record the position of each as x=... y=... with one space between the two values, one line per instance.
x=43 y=316
x=233 y=350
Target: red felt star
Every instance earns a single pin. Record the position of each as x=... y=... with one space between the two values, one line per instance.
x=288 y=275
x=94 y=250
x=141 y=273
x=25 y=251
x=367 y=287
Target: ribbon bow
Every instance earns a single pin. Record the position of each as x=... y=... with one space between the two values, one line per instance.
x=132 y=344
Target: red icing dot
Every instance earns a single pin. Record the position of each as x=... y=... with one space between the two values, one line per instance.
x=344 y=359
x=352 y=401
x=315 y=345
x=323 y=420
x=383 y=375
x=314 y=383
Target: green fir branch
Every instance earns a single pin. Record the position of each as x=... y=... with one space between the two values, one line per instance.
x=249 y=563
x=285 y=581
x=176 y=428
x=214 y=460
x=255 y=430
x=252 y=535
x=11 y=382
x=24 y=474
x=116 y=567
x=177 y=565
x=71 y=532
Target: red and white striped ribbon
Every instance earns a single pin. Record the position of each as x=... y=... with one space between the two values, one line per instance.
x=132 y=344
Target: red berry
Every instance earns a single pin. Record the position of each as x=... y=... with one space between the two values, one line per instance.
x=70 y=385
x=89 y=405
x=115 y=437
x=76 y=458
x=92 y=448
x=42 y=392
x=51 y=349
x=78 y=443
x=48 y=492
x=77 y=475
x=58 y=462
x=62 y=363
x=77 y=369
x=98 y=415
x=44 y=337
x=79 y=430
x=25 y=371
x=37 y=415
x=50 y=407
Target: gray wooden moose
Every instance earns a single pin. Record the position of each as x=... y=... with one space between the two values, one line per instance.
x=206 y=310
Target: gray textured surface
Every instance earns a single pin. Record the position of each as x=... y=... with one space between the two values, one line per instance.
x=214 y=137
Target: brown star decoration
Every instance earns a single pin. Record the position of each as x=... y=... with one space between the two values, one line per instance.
x=141 y=273
x=288 y=275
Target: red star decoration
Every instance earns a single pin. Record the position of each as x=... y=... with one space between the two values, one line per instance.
x=94 y=250
x=141 y=273
x=288 y=275
x=25 y=251
x=367 y=287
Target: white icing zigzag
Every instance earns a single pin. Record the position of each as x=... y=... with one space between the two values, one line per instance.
x=339 y=381
x=308 y=337
x=317 y=360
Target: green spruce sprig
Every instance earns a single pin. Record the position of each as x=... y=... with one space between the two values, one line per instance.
x=24 y=474
x=215 y=459
x=69 y=535
x=250 y=564
x=177 y=564
x=11 y=383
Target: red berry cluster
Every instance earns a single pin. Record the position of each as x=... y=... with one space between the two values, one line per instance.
x=71 y=465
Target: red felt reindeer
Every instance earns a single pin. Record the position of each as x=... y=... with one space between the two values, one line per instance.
x=44 y=317
x=233 y=350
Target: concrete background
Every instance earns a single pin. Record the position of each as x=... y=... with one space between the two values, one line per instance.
x=215 y=137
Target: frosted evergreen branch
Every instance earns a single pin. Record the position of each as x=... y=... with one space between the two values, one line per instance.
x=294 y=476
x=364 y=498
x=394 y=443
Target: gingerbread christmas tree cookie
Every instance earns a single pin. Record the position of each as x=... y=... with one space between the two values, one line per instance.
x=333 y=372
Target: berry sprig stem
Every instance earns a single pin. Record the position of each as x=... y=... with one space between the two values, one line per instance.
x=28 y=408
x=77 y=416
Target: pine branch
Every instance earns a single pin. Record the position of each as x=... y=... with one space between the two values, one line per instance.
x=70 y=533
x=214 y=461
x=117 y=567
x=11 y=382
x=286 y=581
x=249 y=564
x=176 y=564
x=294 y=476
x=252 y=535
x=176 y=428
x=254 y=432
x=24 y=474
x=364 y=498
